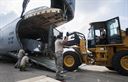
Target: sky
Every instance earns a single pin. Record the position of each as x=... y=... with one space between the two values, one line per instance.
x=86 y=11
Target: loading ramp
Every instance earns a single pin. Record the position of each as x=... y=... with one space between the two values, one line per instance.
x=44 y=61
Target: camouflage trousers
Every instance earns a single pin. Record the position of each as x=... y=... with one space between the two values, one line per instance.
x=23 y=67
x=59 y=64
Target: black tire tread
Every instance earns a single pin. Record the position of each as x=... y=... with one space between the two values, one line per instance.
x=116 y=62
x=77 y=61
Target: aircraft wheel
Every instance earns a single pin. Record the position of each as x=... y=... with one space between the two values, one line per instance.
x=120 y=62
x=71 y=60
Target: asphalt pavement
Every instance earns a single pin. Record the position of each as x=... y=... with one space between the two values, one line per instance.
x=85 y=74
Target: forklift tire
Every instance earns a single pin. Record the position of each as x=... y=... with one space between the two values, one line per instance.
x=71 y=60
x=110 y=68
x=120 y=62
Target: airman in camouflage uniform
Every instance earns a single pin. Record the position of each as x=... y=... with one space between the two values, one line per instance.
x=24 y=62
x=20 y=55
x=59 y=43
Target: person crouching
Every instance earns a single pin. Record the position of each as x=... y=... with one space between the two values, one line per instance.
x=24 y=62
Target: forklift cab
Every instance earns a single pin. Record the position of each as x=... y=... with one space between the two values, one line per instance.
x=105 y=32
x=75 y=38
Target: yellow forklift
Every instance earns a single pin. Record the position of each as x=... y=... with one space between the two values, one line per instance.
x=107 y=43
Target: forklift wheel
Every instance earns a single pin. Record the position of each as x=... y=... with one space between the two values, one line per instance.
x=120 y=62
x=71 y=60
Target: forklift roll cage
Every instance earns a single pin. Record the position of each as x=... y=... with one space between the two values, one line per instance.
x=112 y=29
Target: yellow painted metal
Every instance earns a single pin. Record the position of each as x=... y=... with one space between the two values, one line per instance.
x=124 y=62
x=69 y=61
x=101 y=54
x=125 y=41
x=83 y=48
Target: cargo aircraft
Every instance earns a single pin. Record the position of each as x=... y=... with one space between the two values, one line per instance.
x=35 y=31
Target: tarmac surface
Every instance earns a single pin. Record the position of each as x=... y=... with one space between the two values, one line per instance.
x=85 y=74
